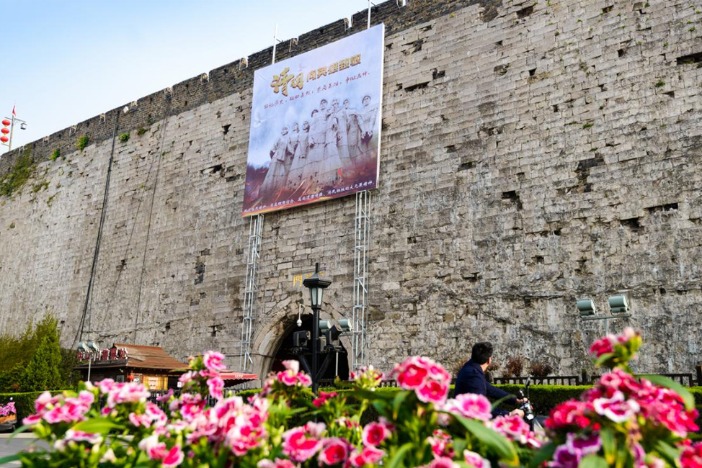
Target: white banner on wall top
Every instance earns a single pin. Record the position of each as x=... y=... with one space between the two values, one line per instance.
x=315 y=125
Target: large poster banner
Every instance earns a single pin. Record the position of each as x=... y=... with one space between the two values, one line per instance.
x=315 y=125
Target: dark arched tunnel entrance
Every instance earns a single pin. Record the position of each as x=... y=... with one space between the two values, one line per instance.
x=297 y=345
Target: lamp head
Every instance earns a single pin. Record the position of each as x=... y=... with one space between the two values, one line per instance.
x=586 y=307
x=345 y=325
x=324 y=325
x=316 y=286
x=618 y=304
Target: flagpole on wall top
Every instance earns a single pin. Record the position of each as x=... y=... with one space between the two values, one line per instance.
x=8 y=128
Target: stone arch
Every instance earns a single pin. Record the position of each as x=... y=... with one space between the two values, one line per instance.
x=272 y=333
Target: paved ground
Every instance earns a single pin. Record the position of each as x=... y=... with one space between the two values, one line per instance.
x=11 y=445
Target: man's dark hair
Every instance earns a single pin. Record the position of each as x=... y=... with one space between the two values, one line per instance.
x=481 y=352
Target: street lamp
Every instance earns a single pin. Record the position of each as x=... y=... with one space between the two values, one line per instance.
x=90 y=347
x=316 y=286
x=8 y=128
x=618 y=308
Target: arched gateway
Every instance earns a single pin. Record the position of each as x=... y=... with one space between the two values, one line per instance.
x=285 y=340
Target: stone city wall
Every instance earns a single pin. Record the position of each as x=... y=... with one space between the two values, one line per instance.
x=533 y=153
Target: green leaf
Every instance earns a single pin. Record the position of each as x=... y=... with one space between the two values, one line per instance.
x=668 y=452
x=396 y=460
x=593 y=461
x=666 y=382
x=9 y=458
x=397 y=402
x=544 y=454
x=97 y=426
x=492 y=439
x=609 y=445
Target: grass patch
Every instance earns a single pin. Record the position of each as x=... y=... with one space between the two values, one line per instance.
x=20 y=173
x=82 y=142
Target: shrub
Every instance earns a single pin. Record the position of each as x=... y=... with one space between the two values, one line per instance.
x=514 y=366
x=124 y=137
x=540 y=369
x=82 y=142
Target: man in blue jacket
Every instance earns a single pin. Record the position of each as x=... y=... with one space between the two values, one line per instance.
x=471 y=379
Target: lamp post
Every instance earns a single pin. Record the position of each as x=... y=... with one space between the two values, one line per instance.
x=316 y=286
x=90 y=347
x=8 y=129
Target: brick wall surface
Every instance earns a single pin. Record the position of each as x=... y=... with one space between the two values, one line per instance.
x=533 y=153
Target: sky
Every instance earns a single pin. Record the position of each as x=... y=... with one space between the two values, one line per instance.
x=65 y=61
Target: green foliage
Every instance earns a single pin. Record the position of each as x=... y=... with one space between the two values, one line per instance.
x=18 y=175
x=141 y=131
x=55 y=154
x=124 y=137
x=35 y=361
x=82 y=142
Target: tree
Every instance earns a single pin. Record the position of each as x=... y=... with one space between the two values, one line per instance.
x=35 y=361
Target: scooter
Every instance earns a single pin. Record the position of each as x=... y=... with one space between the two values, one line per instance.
x=528 y=409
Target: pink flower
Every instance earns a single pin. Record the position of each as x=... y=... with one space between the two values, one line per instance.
x=323 y=397
x=278 y=463
x=366 y=456
x=433 y=391
x=125 y=392
x=153 y=415
x=515 y=428
x=443 y=462
x=691 y=456
x=571 y=413
x=292 y=376
x=216 y=385
x=334 y=451
x=602 y=346
x=375 y=433
x=158 y=451
x=428 y=379
x=301 y=443
x=410 y=374
x=214 y=361
x=470 y=405
x=617 y=409
x=440 y=443
x=475 y=459
x=569 y=454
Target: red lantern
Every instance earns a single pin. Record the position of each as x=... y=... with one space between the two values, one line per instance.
x=6 y=122
x=5 y=130
x=4 y=139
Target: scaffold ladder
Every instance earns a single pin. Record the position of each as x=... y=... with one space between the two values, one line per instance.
x=359 y=342
x=251 y=290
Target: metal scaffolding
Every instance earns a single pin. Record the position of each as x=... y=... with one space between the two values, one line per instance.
x=252 y=256
x=360 y=274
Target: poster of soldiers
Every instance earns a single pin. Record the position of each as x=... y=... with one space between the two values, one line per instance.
x=315 y=125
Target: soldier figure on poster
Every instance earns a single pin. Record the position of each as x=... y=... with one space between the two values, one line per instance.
x=325 y=149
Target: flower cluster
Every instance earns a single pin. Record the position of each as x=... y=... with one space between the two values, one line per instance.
x=427 y=378
x=617 y=350
x=623 y=419
x=8 y=409
x=644 y=424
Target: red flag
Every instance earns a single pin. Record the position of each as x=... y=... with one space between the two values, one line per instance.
x=13 y=111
